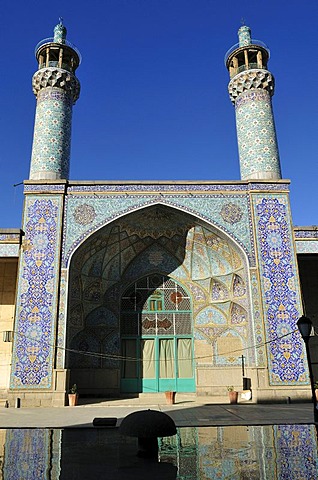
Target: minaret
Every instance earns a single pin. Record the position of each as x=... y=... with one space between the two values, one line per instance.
x=57 y=89
x=251 y=88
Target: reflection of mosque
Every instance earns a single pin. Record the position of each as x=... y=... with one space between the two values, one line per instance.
x=142 y=287
x=257 y=452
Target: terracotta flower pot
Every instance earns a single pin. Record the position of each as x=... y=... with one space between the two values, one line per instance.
x=72 y=399
x=316 y=393
x=233 y=396
x=170 y=397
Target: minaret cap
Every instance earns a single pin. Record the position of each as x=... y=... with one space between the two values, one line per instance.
x=60 y=32
x=244 y=34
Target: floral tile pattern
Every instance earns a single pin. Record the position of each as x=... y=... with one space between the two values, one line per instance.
x=85 y=214
x=307 y=246
x=279 y=280
x=33 y=352
x=9 y=250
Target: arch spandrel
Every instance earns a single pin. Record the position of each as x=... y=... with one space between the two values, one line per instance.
x=86 y=216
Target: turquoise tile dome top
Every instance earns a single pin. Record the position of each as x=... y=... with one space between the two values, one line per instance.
x=244 y=35
x=60 y=32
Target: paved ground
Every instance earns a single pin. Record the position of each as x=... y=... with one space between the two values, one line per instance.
x=186 y=412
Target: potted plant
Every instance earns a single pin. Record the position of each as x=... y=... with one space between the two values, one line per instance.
x=73 y=396
x=170 y=397
x=316 y=389
x=233 y=394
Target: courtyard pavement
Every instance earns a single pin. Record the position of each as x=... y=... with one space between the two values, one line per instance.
x=186 y=412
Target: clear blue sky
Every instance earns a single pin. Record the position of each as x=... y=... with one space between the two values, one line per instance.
x=154 y=102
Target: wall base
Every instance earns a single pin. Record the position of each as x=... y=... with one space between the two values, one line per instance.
x=106 y=384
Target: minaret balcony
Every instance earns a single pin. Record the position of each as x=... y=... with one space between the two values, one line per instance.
x=250 y=66
x=237 y=46
x=240 y=58
x=49 y=41
x=64 y=66
x=50 y=53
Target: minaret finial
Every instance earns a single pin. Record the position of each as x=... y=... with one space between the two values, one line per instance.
x=60 y=32
x=244 y=34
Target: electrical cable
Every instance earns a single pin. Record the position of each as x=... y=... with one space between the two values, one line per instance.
x=135 y=359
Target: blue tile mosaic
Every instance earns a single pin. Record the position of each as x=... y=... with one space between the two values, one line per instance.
x=173 y=187
x=244 y=35
x=209 y=266
x=33 y=355
x=10 y=237
x=52 y=134
x=279 y=280
x=34 y=446
x=306 y=233
x=9 y=250
x=259 y=324
x=45 y=187
x=271 y=452
x=307 y=246
x=296 y=458
x=84 y=215
x=256 y=135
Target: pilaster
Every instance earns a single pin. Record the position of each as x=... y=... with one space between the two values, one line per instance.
x=37 y=298
x=281 y=297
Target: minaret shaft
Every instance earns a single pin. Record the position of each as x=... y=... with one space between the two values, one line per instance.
x=251 y=88
x=52 y=135
x=56 y=88
x=256 y=136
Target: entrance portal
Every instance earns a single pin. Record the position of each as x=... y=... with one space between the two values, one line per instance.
x=156 y=337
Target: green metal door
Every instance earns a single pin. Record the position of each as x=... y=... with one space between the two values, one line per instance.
x=156 y=337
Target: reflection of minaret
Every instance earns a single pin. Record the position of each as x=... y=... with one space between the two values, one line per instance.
x=250 y=88
x=57 y=89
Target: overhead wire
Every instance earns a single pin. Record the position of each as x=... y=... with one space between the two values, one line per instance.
x=138 y=359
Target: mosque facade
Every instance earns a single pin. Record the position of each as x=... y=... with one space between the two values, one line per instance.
x=142 y=287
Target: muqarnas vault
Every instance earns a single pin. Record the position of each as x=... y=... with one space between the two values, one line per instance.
x=145 y=287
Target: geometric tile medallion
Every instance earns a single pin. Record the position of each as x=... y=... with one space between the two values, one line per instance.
x=85 y=215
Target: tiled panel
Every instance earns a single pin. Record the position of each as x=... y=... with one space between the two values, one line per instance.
x=281 y=293
x=52 y=134
x=33 y=351
x=256 y=134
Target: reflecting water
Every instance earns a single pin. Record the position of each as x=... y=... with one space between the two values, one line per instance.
x=268 y=452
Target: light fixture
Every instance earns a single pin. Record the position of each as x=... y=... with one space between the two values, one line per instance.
x=304 y=325
x=7 y=335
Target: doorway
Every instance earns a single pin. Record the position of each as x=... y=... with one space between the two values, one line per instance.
x=156 y=337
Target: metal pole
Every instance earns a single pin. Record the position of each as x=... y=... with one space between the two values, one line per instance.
x=243 y=372
x=311 y=380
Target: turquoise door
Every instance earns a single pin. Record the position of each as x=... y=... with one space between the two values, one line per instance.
x=156 y=337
